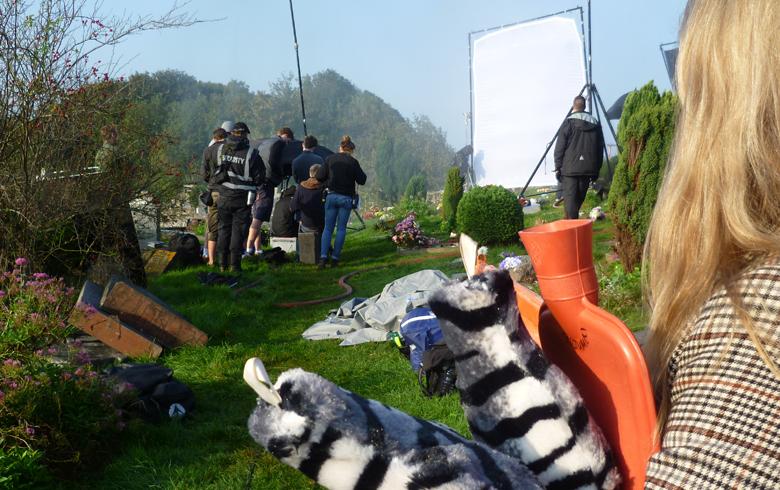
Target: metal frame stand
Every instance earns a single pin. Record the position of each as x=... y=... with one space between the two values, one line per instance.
x=595 y=108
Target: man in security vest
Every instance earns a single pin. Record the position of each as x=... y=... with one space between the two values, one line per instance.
x=242 y=171
x=578 y=156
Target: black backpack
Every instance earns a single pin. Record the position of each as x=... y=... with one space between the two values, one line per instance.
x=187 y=248
x=160 y=395
x=437 y=374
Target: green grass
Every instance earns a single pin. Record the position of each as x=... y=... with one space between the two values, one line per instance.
x=211 y=449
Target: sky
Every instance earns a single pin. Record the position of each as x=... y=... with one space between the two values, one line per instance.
x=414 y=54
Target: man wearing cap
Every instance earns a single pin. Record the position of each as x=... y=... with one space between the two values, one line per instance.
x=241 y=171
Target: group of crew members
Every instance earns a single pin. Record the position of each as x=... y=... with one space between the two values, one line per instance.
x=242 y=175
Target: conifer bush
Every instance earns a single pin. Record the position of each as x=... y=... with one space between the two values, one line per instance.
x=453 y=192
x=490 y=214
x=416 y=189
x=645 y=136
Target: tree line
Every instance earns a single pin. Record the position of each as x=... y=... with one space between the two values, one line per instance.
x=392 y=149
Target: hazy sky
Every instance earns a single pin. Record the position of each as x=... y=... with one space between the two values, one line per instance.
x=412 y=54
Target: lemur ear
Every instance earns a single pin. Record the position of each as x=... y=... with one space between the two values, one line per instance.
x=257 y=377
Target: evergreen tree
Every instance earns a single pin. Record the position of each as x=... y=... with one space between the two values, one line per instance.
x=416 y=188
x=453 y=191
x=645 y=135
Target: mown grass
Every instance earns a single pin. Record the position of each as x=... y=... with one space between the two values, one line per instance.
x=211 y=449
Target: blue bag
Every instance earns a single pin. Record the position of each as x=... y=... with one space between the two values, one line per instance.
x=420 y=330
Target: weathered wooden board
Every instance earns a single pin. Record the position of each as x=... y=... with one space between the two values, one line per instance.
x=88 y=316
x=150 y=315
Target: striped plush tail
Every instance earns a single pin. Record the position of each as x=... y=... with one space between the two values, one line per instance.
x=514 y=399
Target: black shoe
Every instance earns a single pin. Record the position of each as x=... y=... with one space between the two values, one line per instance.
x=322 y=263
x=334 y=263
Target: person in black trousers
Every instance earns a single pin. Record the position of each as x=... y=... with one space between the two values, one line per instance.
x=578 y=156
x=240 y=171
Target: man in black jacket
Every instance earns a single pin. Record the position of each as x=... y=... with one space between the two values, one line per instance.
x=211 y=156
x=578 y=156
x=244 y=170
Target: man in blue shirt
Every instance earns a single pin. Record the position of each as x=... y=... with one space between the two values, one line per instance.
x=302 y=163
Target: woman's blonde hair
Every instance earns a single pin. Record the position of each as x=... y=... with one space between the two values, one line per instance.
x=346 y=144
x=717 y=210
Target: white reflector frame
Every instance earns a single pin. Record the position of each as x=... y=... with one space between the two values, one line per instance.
x=525 y=78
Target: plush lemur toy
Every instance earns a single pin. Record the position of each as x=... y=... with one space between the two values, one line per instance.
x=514 y=399
x=530 y=427
x=344 y=441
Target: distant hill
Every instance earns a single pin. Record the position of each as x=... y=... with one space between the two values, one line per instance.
x=390 y=148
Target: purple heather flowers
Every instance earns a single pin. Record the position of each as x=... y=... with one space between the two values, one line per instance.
x=409 y=235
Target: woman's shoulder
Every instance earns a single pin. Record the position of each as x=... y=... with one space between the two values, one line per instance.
x=755 y=292
x=341 y=157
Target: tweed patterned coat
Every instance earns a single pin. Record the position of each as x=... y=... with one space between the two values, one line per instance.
x=723 y=429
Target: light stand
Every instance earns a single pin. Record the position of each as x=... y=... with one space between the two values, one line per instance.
x=298 y=61
x=592 y=91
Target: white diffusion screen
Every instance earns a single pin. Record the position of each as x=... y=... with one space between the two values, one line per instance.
x=525 y=78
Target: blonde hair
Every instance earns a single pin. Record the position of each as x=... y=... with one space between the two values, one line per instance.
x=346 y=144
x=717 y=211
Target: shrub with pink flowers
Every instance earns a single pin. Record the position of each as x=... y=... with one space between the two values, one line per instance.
x=34 y=309
x=53 y=418
x=58 y=417
x=407 y=234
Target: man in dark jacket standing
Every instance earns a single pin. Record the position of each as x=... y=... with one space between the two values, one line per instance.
x=211 y=157
x=244 y=170
x=578 y=156
x=302 y=163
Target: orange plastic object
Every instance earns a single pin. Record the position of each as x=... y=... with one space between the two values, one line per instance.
x=593 y=347
x=530 y=305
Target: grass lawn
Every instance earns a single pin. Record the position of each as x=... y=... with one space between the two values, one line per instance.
x=212 y=448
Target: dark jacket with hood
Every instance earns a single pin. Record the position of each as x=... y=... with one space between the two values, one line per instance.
x=308 y=200
x=579 y=150
x=241 y=170
x=210 y=164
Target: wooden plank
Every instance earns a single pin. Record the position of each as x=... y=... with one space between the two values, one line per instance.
x=111 y=331
x=157 y=261
x=150 y=315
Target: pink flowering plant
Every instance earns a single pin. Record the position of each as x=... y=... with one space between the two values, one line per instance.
x=407 y=234
x=53 y=417
x=63 y=416
x=34 y=309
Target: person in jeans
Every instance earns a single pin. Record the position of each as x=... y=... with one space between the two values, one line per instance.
x=340 y=173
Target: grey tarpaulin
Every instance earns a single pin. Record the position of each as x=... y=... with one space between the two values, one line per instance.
x=357 y=320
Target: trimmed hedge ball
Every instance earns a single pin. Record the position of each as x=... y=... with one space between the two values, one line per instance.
x=490 y=214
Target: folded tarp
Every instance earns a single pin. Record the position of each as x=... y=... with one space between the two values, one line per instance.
x=369 y=320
